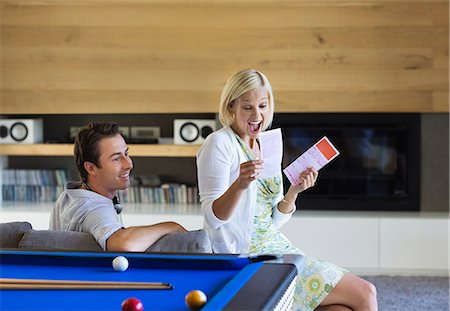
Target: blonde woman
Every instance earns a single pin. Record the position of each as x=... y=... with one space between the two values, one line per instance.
x=243 y=213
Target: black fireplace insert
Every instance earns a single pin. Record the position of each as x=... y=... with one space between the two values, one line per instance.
x=379 y=165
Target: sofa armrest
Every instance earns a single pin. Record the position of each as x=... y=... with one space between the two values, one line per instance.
x=183 y=242
x=12 y=232
x=59 y=240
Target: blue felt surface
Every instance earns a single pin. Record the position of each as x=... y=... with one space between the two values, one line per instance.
x=183 y=272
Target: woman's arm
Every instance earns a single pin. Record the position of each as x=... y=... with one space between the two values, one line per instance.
x=224 y=206
x=220 y=190
x=308 y=178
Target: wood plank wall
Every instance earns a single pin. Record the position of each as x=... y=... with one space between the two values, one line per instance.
x=147 y=56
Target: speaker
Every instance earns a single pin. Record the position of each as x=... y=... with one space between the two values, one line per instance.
x=192 y=131
x=21 y=131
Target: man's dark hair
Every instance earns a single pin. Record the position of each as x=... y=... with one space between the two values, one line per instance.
x=87 y=144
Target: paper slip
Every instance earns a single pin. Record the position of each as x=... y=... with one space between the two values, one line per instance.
x=271 y=144
x=319 y=155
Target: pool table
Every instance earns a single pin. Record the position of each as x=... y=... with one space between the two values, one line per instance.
x=230 y=282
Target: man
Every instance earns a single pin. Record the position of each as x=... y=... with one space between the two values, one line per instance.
x=102 y=159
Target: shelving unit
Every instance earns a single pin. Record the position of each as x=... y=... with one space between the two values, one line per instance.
x=67 y=150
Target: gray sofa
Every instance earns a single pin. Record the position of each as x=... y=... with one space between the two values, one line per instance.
x=21 y=235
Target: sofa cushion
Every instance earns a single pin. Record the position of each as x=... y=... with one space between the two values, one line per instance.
x=60 y=240
x=12 y=232
x=196 y=241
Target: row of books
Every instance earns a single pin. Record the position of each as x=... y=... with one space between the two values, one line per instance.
x=172 y=194
x=21 y=177
x=46 y=185
x=24 y=193
x=32 y=185
x=165 y=194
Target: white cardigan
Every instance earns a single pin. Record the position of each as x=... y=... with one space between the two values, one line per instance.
x=218 y=163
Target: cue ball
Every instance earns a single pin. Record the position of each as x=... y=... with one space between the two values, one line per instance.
x=195 y=299
x=132 y=304
x=120 y=263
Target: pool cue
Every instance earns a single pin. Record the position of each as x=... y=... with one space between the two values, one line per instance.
x=76 y=284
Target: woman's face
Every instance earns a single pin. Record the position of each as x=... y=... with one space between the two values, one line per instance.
x=251 y=110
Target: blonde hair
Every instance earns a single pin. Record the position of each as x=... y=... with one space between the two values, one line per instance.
x=239 y=84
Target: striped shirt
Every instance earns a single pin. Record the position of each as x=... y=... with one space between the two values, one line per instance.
x=85 y=211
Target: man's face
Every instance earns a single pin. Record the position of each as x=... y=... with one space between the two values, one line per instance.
x=115 y=164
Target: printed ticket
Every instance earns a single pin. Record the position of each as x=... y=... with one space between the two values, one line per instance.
x=271 y=143
x=319 y=155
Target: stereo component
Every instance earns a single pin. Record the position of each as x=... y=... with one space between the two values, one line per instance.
x=192 y=131
x=21 y=131
x=74 y=130
x=132 y=134
x=144 y=134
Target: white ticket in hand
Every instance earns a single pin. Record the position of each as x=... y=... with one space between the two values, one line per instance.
x=271 y=144
x=319 y=155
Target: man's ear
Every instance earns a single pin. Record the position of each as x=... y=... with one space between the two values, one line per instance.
x=90 y=168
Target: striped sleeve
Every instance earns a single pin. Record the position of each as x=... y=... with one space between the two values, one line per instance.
x=101 y=222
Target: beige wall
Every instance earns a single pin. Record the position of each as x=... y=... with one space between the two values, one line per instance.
x=148 y=56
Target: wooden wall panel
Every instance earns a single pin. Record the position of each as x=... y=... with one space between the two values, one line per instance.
x=149 y=56
x=225 y=40
x=401 y=58
x=225 y=15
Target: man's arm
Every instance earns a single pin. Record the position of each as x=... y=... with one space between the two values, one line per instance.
x=140 y=238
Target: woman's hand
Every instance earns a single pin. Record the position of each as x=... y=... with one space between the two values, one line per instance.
x=308 y=178
x=248 y=172
x=224 y=206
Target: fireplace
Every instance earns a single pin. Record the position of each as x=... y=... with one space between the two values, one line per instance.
x=379 y=165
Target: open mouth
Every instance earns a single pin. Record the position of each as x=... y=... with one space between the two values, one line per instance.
x=254 y=127
x=124 y=176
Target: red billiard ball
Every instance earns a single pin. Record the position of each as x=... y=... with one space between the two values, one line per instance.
x=195 y=299
x=132 y=304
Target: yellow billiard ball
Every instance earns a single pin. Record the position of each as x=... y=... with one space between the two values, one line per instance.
x=195 y=299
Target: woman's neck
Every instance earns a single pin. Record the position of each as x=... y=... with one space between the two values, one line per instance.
x=251 y=143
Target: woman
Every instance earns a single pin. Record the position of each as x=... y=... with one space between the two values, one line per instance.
x=243 y=213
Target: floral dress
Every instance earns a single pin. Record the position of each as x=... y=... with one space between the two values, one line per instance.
x=317 y=278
